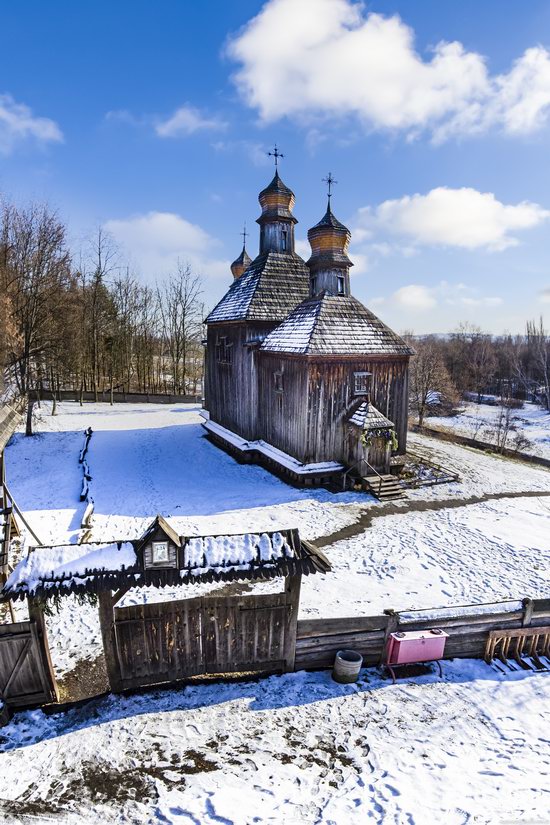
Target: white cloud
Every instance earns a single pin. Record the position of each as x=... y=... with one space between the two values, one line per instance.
x=462 y=218
x=17 y=124
x=155 y=241
x=420 y=298
x=415 y=297
x=327 y=58
x=186 y=121
x=545 y=296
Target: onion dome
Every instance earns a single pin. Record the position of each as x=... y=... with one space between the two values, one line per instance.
x=241 y=263
x=329 y=240
x=277 y=201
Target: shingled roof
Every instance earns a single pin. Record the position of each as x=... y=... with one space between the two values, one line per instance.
x=334 y=325
x=367 y=417
x=272 y=286
x=96 y=567
x=9 y=420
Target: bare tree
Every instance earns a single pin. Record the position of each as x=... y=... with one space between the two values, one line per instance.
x=430 y=382
x=180 y=312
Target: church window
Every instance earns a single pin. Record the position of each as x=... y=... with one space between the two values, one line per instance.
x=361 y=383
x=224 y=350
x=314 y=285
x=284 y=234
x=278 y=381
x=341 y=285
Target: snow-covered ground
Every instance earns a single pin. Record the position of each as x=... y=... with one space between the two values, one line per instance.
x=479 y=421
x=146 y=459
x=291 y=750
x=299 y=748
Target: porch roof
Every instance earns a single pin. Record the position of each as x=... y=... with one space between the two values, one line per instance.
x=368 y=417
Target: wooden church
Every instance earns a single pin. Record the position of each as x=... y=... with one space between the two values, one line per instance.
x=299 y=375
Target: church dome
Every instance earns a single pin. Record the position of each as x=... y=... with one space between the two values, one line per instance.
x=277 y=201
x=241 y=263
x=329 y=240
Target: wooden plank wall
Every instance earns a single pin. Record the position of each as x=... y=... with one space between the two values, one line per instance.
x=167 y=641
x=231 y=390
x=318 y=640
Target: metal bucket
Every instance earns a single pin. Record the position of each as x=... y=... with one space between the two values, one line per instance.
x=347 y=666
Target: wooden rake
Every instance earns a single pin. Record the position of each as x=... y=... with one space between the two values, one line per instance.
x=529 y=647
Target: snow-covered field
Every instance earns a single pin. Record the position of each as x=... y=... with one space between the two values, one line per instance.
x=472 y=747
x=291 y=750
x=480 y=421
x=145 y=459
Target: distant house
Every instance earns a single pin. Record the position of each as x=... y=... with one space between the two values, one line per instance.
x=299 y=374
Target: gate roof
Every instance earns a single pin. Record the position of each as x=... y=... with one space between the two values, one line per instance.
x=96 y=567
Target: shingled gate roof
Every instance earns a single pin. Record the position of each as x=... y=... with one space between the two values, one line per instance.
x=334 y=325
x=272 y=286
x=9 y=419
x=96 y=567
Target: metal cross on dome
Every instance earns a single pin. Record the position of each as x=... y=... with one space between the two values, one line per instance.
x=245 y=234
x=329 y=180
x=276 y=154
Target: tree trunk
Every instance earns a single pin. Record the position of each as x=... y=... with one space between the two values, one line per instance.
x=30 y=405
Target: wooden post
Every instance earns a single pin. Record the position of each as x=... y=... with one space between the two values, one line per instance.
x=36 y=615
x=292 y=589
x=528 y=605
x=391 y=627
x=107 y=621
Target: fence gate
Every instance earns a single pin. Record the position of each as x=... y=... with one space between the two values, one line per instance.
x=165 y=641
x=26 y=676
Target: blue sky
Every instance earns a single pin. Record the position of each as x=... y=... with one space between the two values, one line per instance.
x=153 y=119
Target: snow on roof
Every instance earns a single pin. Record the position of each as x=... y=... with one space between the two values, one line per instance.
x=334 y=325
x=272 y=286
x=207 y=553
x=69 y=561
x=368 y=417
x=97 y=567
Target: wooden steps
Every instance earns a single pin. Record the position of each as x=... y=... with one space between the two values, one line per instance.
x=384 y=487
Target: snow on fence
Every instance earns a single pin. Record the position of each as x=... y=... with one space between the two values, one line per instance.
x=86 y=522
x=468 y=626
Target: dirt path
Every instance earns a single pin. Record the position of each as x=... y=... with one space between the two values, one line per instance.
x=391 y=509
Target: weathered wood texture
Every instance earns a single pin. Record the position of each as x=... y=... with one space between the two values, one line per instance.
x=318 y=640
x=320 y=433
x=169 y=641
x=26 y=676
x=231 y=389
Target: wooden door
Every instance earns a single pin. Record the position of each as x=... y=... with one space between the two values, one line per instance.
x=26 y=677
x=159 y=642
x=245 y=634
x=379 y=453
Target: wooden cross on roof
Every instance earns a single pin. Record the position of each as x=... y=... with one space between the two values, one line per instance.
x=276 y=154
x=329 y=180
x=245 y=234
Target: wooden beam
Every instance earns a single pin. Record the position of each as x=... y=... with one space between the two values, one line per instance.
x=293 y=586
x=107 y=623
x=36 y=615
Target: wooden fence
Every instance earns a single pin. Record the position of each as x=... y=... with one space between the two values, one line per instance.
x=121 y=397
x=318 y=640
x=484 y=446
